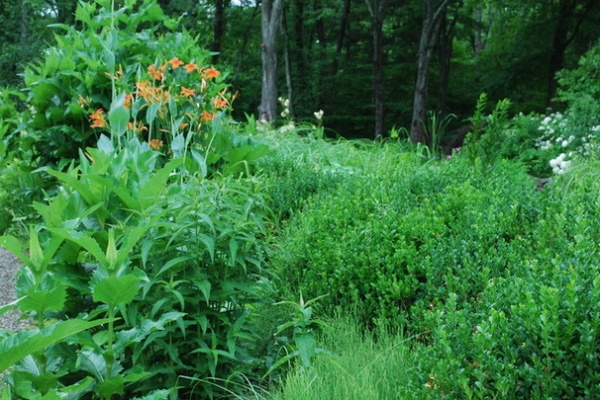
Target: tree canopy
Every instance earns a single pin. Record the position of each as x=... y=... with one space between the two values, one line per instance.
x=360 y=61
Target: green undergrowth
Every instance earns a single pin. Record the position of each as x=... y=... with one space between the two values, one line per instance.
x=494 y=281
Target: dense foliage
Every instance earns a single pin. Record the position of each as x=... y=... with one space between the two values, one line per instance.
x=170 y=251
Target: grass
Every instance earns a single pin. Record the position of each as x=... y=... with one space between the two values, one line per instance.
x=362 y=366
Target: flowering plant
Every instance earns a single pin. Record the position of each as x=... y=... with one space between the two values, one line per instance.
x=171 y=103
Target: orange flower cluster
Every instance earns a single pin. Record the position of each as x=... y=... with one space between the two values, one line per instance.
x=206 y=116
x=98 y=119
x=185 y=92
x=210 y=73
x=156 y=144
x=150 y=93
x=157 y=74
x=190 y=67
x=220 y=102
x=175 y=63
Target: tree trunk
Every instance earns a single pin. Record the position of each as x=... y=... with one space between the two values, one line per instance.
x=431 y=24
x=288 y=66
x=447 y=31
x=218 y=28
x=341 y=36
x=478 y=43
x=377 y=11
x=271 y=17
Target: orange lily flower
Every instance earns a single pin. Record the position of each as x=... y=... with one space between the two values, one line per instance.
x=190 y=67
x=175 y=63
x=210 y=73
x=97 y=118
x=206 y=116
x=185 y=92
x=155 y=144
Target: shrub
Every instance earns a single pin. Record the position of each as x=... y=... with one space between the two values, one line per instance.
x=386 y=246
x=174 y=262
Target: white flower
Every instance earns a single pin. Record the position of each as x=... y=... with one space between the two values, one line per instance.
x=565 y=143
x=319 y=114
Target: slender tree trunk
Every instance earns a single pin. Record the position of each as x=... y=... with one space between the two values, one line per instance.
x=288 y=66
x=301 y=59
x=377 y=11
x=431 y=24
x=478 y=43
x=271 y=17
x=341 y=36
x=447 y=30
x=219 y=28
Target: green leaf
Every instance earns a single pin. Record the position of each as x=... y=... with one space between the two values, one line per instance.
x=105 y=144
x=89 y=196
x=109 y=58
x=115 y=291
x=178 y=146
x=41 y=301
x=87 y=242
x=307 y=347
x=151 y=112
x=205 y=287
x=201 y=162
x=157 y=183
x=111 y=251
x=22 y=344
x=5 y=308
x=118 y=118
x=111 y=387
x=13 y=245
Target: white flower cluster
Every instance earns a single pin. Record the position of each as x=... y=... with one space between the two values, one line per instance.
x=287 y=127
x=557 y=134
x=551 y=127
x=559 y=164
x=285 y=103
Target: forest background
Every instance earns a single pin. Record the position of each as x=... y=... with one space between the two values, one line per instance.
x=372 y=66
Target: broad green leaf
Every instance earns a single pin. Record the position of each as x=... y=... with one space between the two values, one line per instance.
x=205 y=287
x=22 y=344
x=87 y=242
x=116 y=290
x=109 y=58
x=105 y=144
x=111 y=387
x=131 y=239
x=41 y=301
x=151 y=112
x=76 y=390
x=137 y=334
x=88 y=195
x=93 y=363
x=118 y=118
x=201 y=162
x=178 y=146
x=307 y=347
x=157 y=182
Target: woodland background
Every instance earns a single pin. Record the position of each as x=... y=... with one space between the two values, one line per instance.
x=371 y=65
